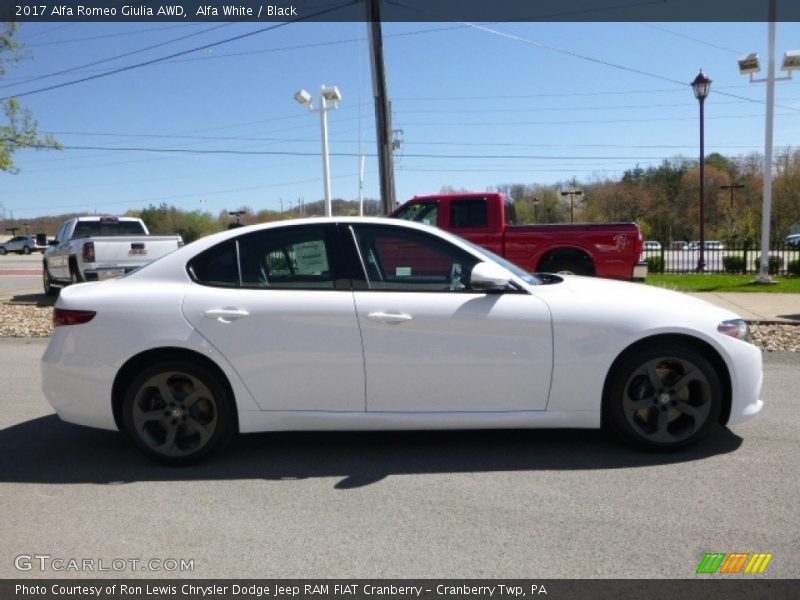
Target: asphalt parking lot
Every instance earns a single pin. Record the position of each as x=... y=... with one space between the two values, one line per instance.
x=434 y=504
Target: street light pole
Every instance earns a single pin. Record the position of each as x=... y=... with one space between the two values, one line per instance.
x=326 y=160
x=749 y=65
x=701 y=86
x=766 y=209
x=327 y=94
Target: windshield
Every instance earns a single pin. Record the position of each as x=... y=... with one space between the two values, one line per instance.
x=528 y=278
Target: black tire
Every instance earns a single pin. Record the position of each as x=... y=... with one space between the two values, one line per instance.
x=176 y=412
x=663 y=397
x=26 y=249
x=74 y=274
x=567 y=266
x=49 y=290
x=2 y=251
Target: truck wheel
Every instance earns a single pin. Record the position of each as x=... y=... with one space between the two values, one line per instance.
x=567 y=266
x=26 y=249
x=74 y=274
x=49 y=290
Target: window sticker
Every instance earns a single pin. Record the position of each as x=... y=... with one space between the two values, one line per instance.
x=310 y=258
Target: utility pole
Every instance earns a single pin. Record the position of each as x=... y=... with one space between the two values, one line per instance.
x=733 y=186
x=382 y=108
x=572 y=192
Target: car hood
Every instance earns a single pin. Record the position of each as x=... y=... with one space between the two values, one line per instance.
x=635 y=304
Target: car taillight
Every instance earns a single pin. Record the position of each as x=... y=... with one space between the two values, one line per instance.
x=64 y=316
x=88 y=252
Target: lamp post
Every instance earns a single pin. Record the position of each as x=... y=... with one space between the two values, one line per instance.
x=327 y=94
x=536 y=210
x=571 y=192
x=701 y=86
x=749 y=65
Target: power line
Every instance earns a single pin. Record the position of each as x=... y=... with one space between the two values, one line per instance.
x=104 y=36
x=574 y=54
x=183 y=53
x=556 y=108
x=581 y=122
x=118 y=56
x=682 y=90
x=754 y=145
x=349 y=154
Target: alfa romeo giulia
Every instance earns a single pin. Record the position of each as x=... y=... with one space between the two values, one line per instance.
x=377 y=324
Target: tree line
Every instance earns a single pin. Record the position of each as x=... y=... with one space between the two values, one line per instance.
x=663 y=200
x=194 y=224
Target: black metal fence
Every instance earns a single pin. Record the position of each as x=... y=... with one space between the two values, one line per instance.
x=724 y=258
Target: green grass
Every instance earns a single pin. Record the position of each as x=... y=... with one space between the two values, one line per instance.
x=723 y=283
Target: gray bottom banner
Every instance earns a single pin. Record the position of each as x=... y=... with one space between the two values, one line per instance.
x=400 y=589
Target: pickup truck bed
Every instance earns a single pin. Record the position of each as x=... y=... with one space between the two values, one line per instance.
x=488 y=219
x=78 y=254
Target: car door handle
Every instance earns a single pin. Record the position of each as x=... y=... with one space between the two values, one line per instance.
x=392 y=318
x=226 y=315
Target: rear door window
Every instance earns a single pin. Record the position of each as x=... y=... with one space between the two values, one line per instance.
x=469 y=213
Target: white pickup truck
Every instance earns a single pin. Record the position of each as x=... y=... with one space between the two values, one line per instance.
x=96 y=248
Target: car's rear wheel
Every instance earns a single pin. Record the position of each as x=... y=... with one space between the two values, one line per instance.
x=26 y=249
x=663 y=397
x=177 y=413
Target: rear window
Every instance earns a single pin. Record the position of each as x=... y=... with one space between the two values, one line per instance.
x=421 y=212
x=217 y=266
x=107 y=228
x=466 y=213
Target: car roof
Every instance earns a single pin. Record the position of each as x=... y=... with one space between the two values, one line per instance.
x=343 y=220
x=189 y=250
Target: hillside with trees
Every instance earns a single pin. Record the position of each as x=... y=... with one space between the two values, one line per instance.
x=663 y=200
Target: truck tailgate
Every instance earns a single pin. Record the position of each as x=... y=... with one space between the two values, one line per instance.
x=131 y=251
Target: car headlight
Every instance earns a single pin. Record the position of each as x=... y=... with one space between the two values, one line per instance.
x=737 y=328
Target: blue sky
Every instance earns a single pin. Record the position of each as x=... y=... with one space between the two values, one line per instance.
x=478 y=106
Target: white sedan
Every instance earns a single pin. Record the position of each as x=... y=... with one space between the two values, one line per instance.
x=377 y=324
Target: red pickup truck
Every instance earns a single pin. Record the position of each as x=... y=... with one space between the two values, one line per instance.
x=488 y=219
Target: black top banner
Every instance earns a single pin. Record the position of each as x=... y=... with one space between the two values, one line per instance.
x=399 y=10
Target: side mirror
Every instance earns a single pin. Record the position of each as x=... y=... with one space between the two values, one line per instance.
x=489 y=277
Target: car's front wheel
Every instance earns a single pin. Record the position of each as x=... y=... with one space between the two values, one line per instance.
x=176 y=412
x=663 y=397
x=26 y=249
